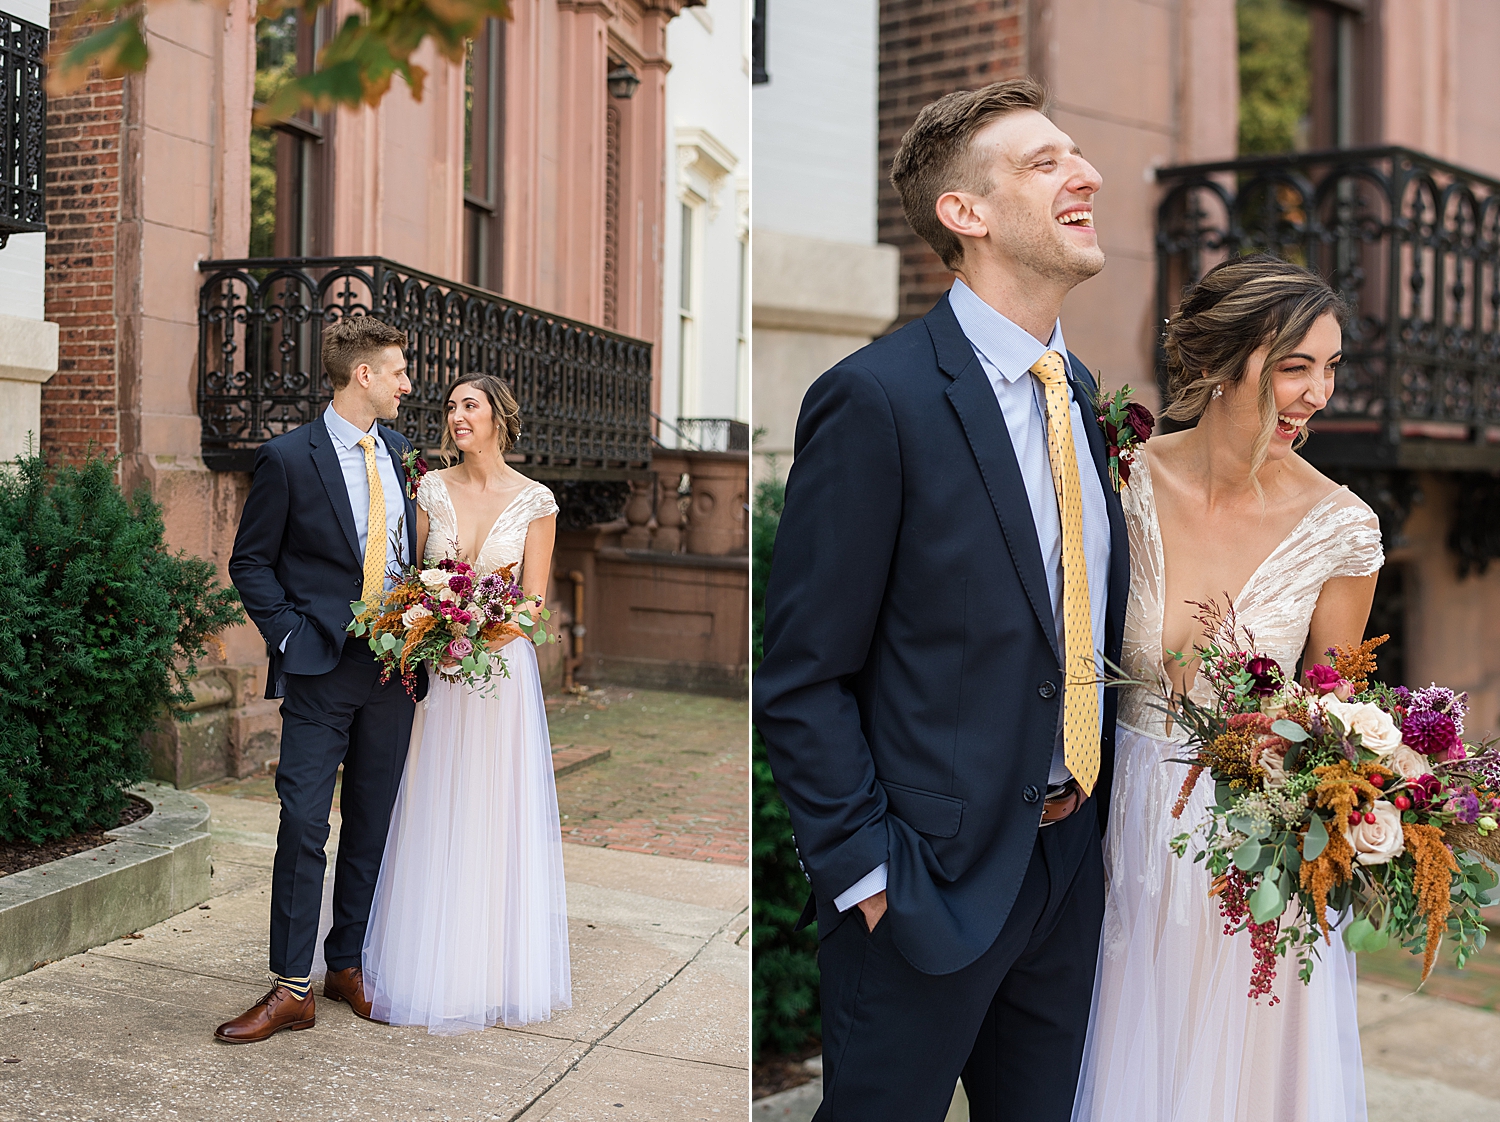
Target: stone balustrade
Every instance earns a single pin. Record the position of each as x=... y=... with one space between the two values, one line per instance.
x=693 y=503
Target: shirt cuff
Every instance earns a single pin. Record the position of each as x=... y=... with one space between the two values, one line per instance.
x=867 y=886
x=284 y=638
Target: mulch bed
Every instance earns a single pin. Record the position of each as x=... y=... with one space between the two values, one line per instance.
x=18 y=855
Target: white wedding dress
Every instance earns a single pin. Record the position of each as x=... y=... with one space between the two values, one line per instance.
x=1173 y=1035
x=469 y=923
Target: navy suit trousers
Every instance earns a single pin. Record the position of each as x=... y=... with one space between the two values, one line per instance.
x=1011 y=1024
x=347 y=716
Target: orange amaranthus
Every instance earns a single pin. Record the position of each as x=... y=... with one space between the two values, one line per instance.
x=1353 y=663
x=1333 y=867
x=1434 y=871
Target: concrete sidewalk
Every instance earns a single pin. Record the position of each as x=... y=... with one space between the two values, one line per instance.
x=658 y=1031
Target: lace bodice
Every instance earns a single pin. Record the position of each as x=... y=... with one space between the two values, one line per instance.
x=506 y=542
x=1338 y=537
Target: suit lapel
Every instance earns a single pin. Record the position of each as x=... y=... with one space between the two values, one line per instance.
x=1119 y=543
x=394 y=447
x=984 y=425
x=326 y=460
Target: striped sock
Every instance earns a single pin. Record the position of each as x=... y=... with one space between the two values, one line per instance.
x=299 y=986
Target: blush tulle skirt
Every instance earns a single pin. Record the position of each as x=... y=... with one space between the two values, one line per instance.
x=469 y=923
x=1173 y=1036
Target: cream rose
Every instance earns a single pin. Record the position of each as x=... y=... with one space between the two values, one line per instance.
x=1376 y=730
x=1273 y=762
x=434 y=578
x=1377 y=842
x=1409 y=763
x=414 y=613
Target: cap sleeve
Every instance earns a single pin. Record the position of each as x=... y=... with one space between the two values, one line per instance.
x=1361 y=553
x=542 y=502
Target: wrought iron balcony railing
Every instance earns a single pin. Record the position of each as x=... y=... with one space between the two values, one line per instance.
x=23 y=124
x=1414 y=246
x=712 y=434
x=585 y=393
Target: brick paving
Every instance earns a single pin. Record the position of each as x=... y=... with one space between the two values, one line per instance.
x=675 y=782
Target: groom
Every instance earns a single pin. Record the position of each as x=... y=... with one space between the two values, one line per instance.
x=950 y=573
x=326 y=511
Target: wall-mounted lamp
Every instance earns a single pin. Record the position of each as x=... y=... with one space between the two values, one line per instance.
x=622 y=82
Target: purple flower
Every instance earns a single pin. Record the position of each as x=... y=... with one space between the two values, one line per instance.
x=1267 y=675
x=1403 y=696
x=1440 y=699
x=1423 y=790
x=1465 y=806
x=460 y=648
x=461 y=583
x=1323 y=679
x=1432 y=734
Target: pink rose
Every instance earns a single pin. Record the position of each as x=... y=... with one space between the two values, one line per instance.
x=460 y=648
x=1323 y=679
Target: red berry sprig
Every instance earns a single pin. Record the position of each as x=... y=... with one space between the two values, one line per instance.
x=1233 y=906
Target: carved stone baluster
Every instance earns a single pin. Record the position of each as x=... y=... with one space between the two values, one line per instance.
x=638 y=514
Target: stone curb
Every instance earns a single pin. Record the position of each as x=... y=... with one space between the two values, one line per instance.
x=153 y=869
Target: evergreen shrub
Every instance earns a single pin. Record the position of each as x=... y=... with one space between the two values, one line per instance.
x=100 y=632
x=785 y=981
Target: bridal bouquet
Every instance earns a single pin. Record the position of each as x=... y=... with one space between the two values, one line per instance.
x=1337 y=793
x=448 y=615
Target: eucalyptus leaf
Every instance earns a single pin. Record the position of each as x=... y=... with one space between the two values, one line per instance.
x=1266 y=902
x=1290 y=730
x=540 y=637
x=1357 y=932
x=1249 y=826
x=1316 y=839
x=1248 y=854
x=1377 y=940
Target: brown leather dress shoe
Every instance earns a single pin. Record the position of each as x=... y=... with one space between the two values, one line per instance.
x=349 y=985
x=279 y=1009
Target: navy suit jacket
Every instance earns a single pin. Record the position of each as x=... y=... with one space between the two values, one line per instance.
x=908 y=696
x=296 y=562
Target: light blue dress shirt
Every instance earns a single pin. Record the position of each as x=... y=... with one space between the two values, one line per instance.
x=1007 y=353
x=346 y=438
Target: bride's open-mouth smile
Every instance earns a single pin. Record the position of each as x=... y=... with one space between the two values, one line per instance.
x=1289 y=425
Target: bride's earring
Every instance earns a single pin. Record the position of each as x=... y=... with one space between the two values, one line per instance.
x=1218 y=393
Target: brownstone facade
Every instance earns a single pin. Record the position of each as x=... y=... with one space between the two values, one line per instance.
x=929 y=48
x=80 y=405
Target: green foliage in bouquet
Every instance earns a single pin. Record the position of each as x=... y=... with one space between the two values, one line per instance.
x=100 y=630
x=785 y=983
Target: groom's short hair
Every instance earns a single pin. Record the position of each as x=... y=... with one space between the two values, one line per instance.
x=936 y=155
x=355 y=339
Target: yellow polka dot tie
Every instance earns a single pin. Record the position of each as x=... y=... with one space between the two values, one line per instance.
x=1080 y=688
x=375 y=536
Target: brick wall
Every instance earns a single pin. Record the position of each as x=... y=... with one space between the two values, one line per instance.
x=929 y=48
x=84 y=132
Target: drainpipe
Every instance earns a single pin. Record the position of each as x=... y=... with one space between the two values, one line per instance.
x=576 y=633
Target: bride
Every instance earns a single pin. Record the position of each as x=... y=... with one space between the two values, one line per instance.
x=469 y=924
x=1227 y=505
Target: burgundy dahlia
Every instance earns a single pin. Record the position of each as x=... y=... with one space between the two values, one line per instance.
x=1432 y=734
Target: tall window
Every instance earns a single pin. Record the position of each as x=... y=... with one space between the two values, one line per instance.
x=484 y=134
x=687 y=304
x=1304 y=81
x=289 y=175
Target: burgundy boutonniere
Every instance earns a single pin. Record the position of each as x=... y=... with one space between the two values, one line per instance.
x=416 y=467
x=1125 y=423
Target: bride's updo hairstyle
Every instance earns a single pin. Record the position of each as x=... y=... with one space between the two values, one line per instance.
x=1239 y=306
x=503 y=408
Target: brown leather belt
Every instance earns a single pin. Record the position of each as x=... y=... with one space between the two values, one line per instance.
x=1063 y=803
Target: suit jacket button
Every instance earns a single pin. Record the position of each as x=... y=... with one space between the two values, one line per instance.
x=1047 y=690
x=1031 y=794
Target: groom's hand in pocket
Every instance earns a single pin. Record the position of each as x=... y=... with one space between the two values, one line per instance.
x=873 y=908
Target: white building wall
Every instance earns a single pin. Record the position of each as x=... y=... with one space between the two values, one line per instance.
x=822 y=286
x=28 y=344
x=708 y=160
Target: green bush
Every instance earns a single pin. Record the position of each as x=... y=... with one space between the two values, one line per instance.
x=785 y=984
x=100 y=632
